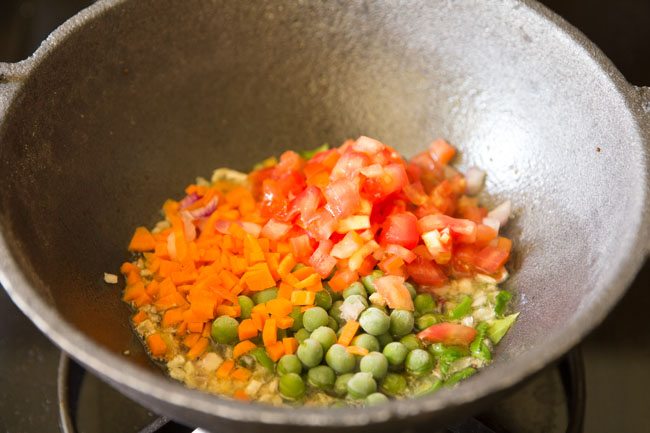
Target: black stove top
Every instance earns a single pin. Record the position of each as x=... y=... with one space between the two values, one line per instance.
x=41 y=391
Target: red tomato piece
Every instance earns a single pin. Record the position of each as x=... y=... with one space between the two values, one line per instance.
x=289 y=161
x=274 y=229
x=342 y=198
x=321 y=259
x=306 y=203
x=301 y=247
x=464 y=230
x=348 y=166
x=426 y=272
x=368 y=145
x=400 y=229
x=441 y=151
x=393 y=290
x=448 y=333
x=321 y=225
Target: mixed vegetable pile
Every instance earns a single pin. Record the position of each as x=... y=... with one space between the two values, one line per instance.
x=335 y=276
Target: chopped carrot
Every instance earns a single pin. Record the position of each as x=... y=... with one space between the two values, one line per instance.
x=286 y=265
x=247 y=330
x=142 y=240
x=241 y=374
x=290 y=345
x=275 y=351
x=229 y=310
x=284 y=290
x=357 y=350
x=270 y=332
x=303 y=273
x=224 y=369
x=133 y=292
x=279 y=307
x=157 y=345
x=284 y=322
x=303 y=297
x=198 y=348
x=195 y=327
x=258 y=320
x=242 y=348
x=140 y=317
x=191 y=340
x=241 y=395
x=172 y=317
x=308 y=281
x=348 y=332
x=393 y=265
x=342 y=279
x=305 y=308
x=259 y=278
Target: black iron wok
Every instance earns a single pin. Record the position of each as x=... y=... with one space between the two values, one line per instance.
x=128 y=101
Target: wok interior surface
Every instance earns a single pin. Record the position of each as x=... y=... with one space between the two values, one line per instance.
x=127 y=110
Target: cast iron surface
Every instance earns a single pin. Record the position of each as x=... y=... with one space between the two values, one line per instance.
x=130 y=100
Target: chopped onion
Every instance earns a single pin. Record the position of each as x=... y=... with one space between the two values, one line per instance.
x=475 y=178
x=171 y=246
x=110 y=278
x=188 y=200
x=206 y=210
x=353 y=222
x=351 y=309
x=222 y=226
x=251 y=228
x=492 y=223
x=188 y=226
x=501 y=213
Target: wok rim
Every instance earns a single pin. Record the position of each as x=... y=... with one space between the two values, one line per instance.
x=625 y=264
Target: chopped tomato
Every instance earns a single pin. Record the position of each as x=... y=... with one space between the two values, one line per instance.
x=492 y=258
x=342 y=198
x=426 y=272
x=393 y=290
x=321 y=259
x=400 y=229
x=447 y=333
x=464 y=230
x=441 y=151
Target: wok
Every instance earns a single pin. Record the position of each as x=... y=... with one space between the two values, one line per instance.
x=128 y=101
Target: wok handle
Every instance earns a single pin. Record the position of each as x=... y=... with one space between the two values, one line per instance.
x=643 y=93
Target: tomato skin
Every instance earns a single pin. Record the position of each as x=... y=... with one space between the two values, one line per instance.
x=463 y=230
x=400 y=229
x=449 y=334
x=321 y=259
x=393 y=290
x=426 y=272
x=492 y=258
x=342 y=198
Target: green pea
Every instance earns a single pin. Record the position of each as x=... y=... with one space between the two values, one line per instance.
x=384 y=339
x=340 y=359
x=323 y=299
x=463 y=308
x=424 y=303
x=336 y=296
x=325 y=336
x=310 y=352
x=301 y=335
x=374 y=363
x=401 y=322
x=501 y=301
x=376 y=398
x=296 y=315
x=289 y=364
x=314 y=318
x=335 y=312
x=374 y=321
x=411 y=341
x=341 y=384
x=321 y=376
x=411 y=288
x=355 y=288
x=393 y=384
x=291 y=386
x=361 y=385
x=265 y=296
x=366 y=341
x=419 y=362
x=224 y=330
x=262 y=358
x=426 y=320
x=333 y=324
x=395 y=353
x=246 y=304
x=427 y=387
x=369 y=281
x=460 y=375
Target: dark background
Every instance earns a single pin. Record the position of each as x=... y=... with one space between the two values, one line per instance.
x=617 y=354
